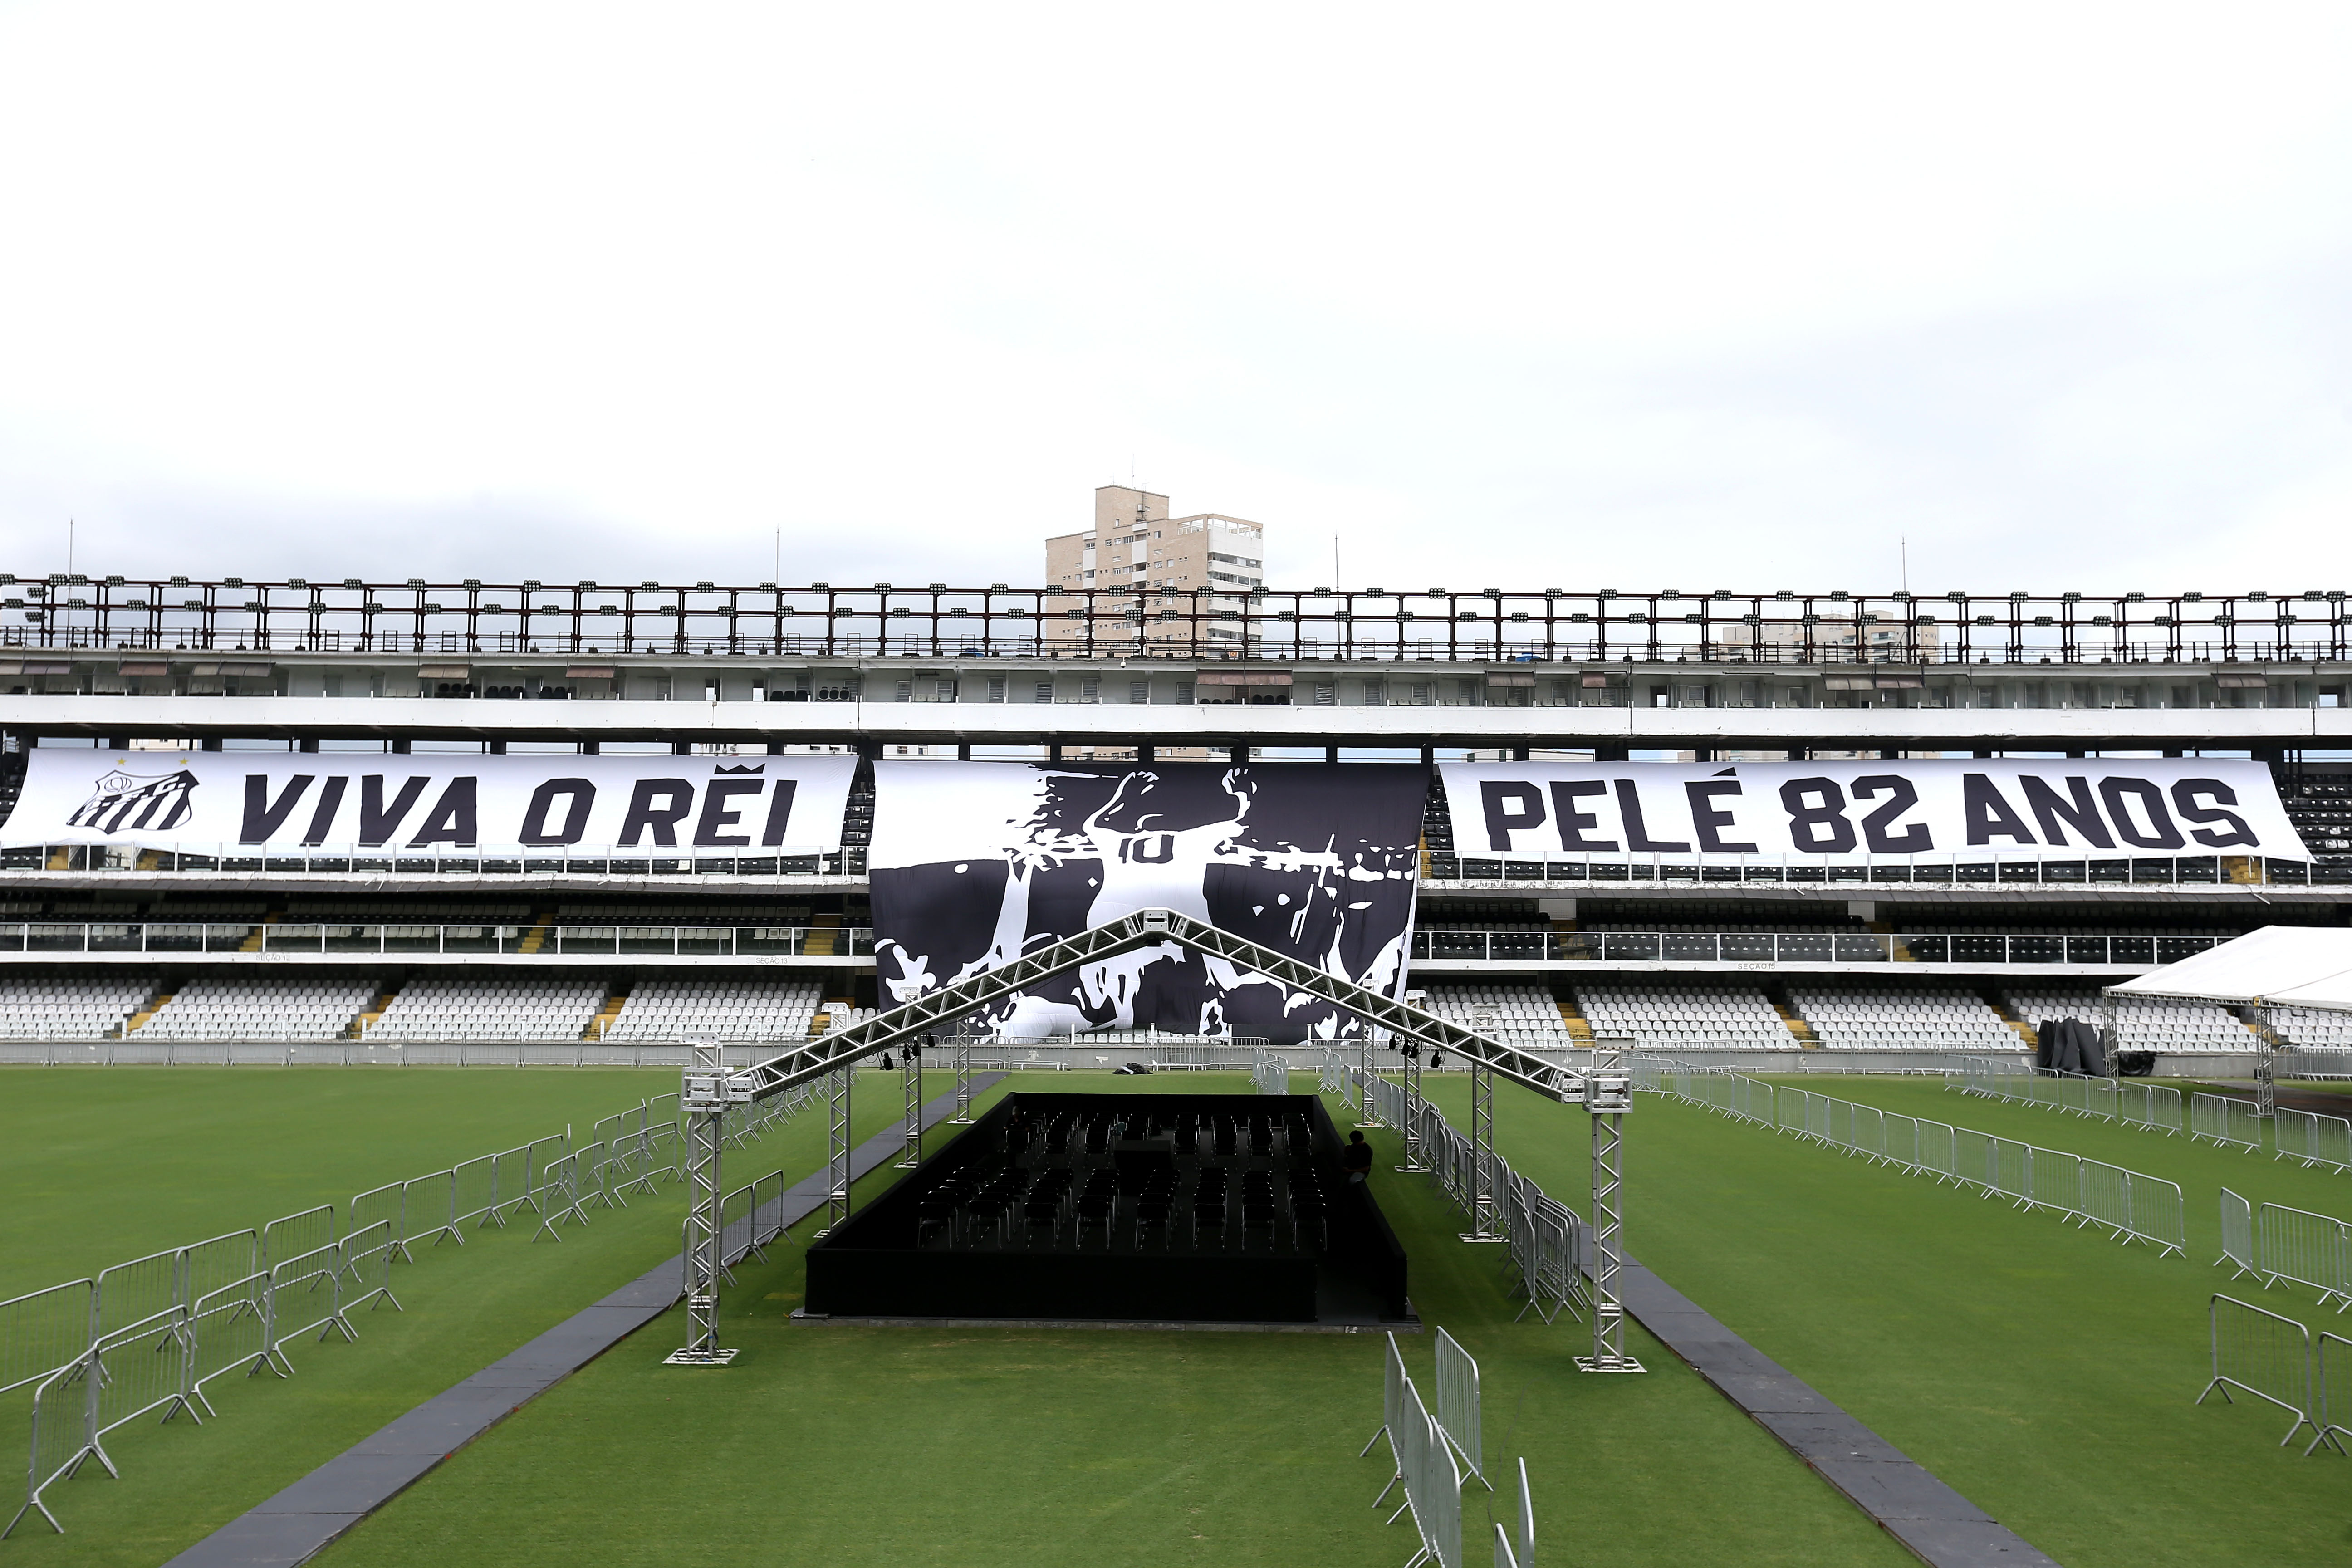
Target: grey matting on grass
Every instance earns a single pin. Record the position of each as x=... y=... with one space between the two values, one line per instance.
x=1938 y=1525
x=299 y=1522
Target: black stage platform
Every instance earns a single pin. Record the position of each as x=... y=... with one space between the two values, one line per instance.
x=1163 y=1208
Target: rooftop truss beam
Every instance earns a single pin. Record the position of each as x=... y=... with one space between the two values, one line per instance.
x=935 y=1009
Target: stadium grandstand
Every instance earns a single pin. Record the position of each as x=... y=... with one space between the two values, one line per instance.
x=294 y=944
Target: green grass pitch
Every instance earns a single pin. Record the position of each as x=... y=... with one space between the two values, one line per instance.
x=2045 y=1371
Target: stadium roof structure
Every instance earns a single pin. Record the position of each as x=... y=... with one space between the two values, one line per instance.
x=2278 y=966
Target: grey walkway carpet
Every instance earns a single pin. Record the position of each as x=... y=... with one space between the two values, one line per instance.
x=1936 y=1522
x=299 y=1521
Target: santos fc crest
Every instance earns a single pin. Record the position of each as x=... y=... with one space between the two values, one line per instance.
x=150 y=802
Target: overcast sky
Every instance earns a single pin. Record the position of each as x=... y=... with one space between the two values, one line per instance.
x=1735 y=296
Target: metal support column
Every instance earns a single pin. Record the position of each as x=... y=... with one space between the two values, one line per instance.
x=2265 y=1065
x=836 y=1144
x=1482 y=1155
x=913 y=1158
x=1608 y=1096
x=1414 y=1159
x=1370 y=1116
x=702 y=1104
x=963 y=1117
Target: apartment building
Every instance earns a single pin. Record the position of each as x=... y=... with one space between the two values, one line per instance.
x=1111 y=571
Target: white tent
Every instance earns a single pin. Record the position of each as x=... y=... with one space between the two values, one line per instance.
x=2278 y=966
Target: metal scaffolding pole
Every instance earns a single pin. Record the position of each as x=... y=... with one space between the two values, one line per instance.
x=1608 y=1096
x=2265 y=1066
x=963 y=1117
x=913 y=1064
x=836 y=1144
x=702 y=1101
x=1482 y=1155
x=1370 y=1116
x=1414 y=1159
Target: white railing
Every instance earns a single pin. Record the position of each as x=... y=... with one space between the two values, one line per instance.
x=387 y=860
x=362 y=939
x=1799 y=949
x=1991 y=869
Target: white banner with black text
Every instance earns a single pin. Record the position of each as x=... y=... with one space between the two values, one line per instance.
x=198 y=801
x=2063 y=808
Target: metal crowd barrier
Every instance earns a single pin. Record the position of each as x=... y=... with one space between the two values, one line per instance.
x=1269 y=1074
x=1458 y=1404
x=1547 y=1247
x=1423 y=1463
x=2312 y=1137
x=2237 y=1236
x=2306 y=1248
x=2262 y=1353
x=1331 y=1073
x=2227 y=1121
x=1519 y=1551
x=1545 y=1239
x=1425 y=1449
x=2152 y=1105
x=2315 y=1063
x=2331 y=1366
x=2129 y=1205
x=151 y=1334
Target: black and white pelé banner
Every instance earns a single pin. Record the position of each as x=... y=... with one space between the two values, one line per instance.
x=2063 y=808
x=973 y=864
x=199 y=800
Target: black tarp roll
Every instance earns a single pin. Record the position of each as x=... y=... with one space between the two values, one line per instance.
x=2068 y=1055
x=2094 y=1050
